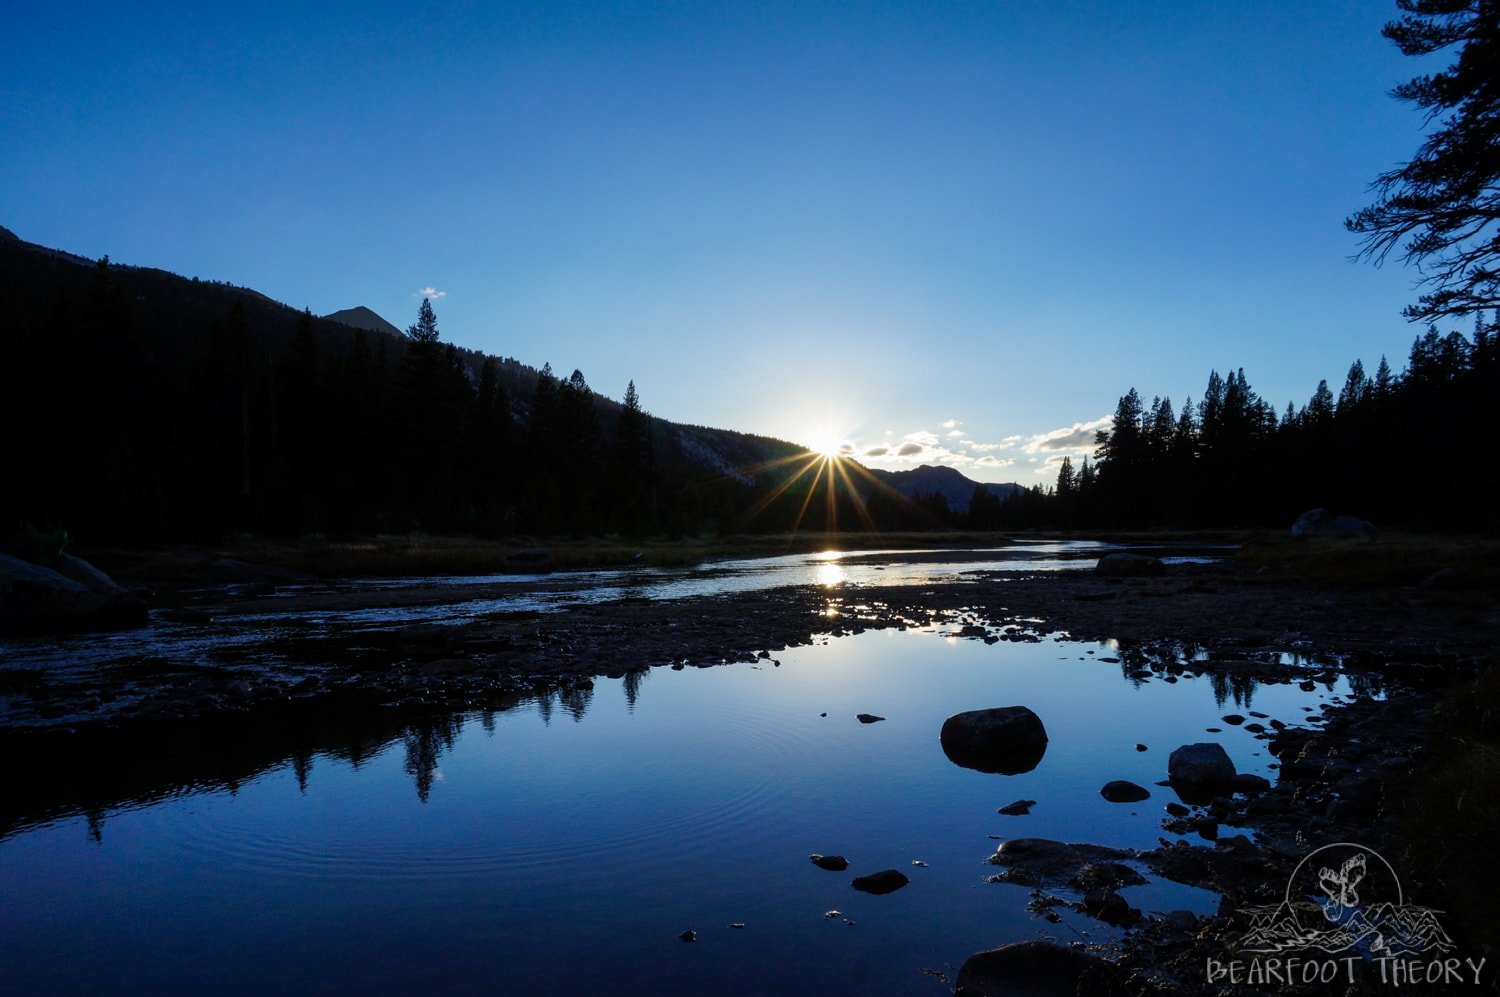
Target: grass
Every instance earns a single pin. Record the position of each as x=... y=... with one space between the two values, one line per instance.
x=419 y=555
x=1447 y=851
x=1468 y=563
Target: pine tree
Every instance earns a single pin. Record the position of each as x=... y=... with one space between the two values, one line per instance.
x=425 y=329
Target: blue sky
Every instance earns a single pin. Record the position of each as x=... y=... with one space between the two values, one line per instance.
x=964 y=228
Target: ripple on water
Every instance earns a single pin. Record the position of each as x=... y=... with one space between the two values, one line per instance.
x=583 y=824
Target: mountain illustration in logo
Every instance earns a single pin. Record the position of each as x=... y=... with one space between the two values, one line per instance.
x=1385 y=929
x=1359 y=908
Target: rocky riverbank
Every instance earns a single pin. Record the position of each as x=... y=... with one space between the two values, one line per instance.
x=1335 y=778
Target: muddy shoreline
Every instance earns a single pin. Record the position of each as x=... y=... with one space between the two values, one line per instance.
x=100 y=738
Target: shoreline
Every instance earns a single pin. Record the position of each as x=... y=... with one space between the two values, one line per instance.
x=212 y=725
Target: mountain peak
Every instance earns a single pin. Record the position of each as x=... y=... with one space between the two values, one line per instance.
x=7 y=234
x=361 y=317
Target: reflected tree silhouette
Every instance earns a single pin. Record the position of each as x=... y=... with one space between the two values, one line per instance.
x=425 y=743
x=576 y=699
x=95 y=817
x=632 y=685
x=302 y=765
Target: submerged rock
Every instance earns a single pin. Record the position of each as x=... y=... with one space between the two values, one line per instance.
x=1042 y=861
x=1028 y=969
x=880 y=883
x=1007 y=740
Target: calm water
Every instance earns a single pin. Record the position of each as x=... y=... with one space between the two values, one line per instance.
x=562 y=846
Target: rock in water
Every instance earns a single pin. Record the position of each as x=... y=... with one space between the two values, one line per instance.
x=868 y=718
x=1020 y=808
x=880 y=883
x=1202 y=764
x=1129 y=566
x=689 y=935
x=833 y=863
x=74 y=596
x=1008 y=740
x=1121 y=791
x=1028 y=969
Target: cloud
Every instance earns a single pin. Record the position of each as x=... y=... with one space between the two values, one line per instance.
x=877 y=451
x=921 y=437
x=990 y=460
x=909 y=450
x=429 y=292
x=949 y=424
x=1077 y=438
x=955 y=434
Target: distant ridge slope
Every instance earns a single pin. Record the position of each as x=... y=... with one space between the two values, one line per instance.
x=936 y=479
x=361 y=317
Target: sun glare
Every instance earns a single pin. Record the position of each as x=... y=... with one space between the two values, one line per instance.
x=828 y=445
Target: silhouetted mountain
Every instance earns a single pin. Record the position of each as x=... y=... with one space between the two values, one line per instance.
x=363 y=318
x=934 y=479
x=159 y=406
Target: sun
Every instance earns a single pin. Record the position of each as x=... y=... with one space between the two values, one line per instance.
x=829 y=445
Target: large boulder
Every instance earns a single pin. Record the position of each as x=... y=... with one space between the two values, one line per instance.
x=1322 y=523
x=1029 y=969
x=530 y=559
x=1202 y=764
x=1129 y=566
x=1122 y=791
x=75 y=596
x=1008 y=740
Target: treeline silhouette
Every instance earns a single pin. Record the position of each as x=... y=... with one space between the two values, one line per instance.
x=1409 y=450
x=146 y=407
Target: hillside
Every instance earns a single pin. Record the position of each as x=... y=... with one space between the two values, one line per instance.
x=165 y=407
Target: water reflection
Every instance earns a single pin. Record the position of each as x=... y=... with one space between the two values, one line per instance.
x=425 y=741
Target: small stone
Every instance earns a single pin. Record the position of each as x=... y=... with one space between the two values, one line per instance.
x=1233 y=718
x=737 y=924
x=689 y=935
x=919 y=863
x=833 y=913
x=1140 y=747
x=1020 y=808
x=868 y=718
x=833 y=863
x=1177 y=810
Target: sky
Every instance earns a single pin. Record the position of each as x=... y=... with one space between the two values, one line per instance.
x=931 y=232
